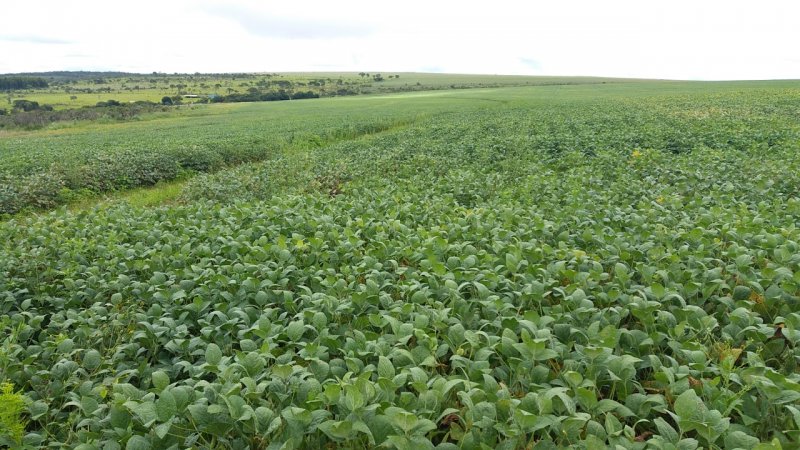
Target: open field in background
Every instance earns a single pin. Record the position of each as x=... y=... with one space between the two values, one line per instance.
x=48 y=167
x=570 y=266
x=131 y=88
x=73 y=160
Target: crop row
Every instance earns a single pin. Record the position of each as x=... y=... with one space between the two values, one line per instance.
x=91 y=164
x=44 y=169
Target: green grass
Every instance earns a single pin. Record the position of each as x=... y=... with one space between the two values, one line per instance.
x=63 y=100
x=161 y=193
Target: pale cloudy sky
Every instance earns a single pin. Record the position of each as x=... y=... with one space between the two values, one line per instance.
x=680 y=39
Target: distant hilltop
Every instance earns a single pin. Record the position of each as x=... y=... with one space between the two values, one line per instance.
x=68 y=75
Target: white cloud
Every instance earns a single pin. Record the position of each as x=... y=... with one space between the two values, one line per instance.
x=32 y=39
x=287 y=25
x=657 y=39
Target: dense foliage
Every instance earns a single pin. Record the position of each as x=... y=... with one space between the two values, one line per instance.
x=8 y=83
x=263 y=97
x=583 y=271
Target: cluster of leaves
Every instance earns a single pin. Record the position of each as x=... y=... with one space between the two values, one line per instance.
x=462 y=288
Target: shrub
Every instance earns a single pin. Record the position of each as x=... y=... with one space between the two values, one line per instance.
x=12 y=427
x=302 y=95
x=107 y=103
x=25 y=105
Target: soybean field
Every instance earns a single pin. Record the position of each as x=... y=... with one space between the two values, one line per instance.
x=571 y=266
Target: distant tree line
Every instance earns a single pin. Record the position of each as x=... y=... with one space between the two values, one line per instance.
x=263 y=97
x=65 y=75
x=109 y=103
x=31 y=115
x=376 y=77
x=14 y=83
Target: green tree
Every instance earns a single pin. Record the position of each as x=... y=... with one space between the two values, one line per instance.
x=25 y=105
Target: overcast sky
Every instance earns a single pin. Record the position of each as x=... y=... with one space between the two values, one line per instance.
x=679 y=39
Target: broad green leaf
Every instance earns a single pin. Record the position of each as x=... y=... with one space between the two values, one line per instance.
x=402 y=420
x=160 y=380
x=689 y=407
x=213 y=354
x=146 y=412
x=739 y=439
x=688 y=444
x=137 y=443
x=385 y=367
x=741 y=293
x=166 y=408
x=237 y=407
x=795 y=415
x=295 y=330
x=337 y=430
x=162 y=430
x=362 y=428
x=253 y=364
x=666 y=431
x=91 y=360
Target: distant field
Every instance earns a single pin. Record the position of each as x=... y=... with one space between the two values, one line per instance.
x=88 y=92
x=555 y=266
x=77 y=159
